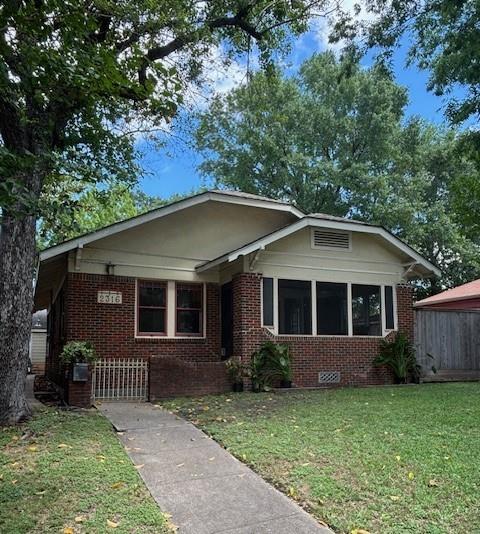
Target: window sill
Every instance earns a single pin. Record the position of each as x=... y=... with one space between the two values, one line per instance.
x=169 y=338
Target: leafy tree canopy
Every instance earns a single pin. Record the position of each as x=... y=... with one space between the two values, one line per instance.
x=445 y=41
x=334 y=139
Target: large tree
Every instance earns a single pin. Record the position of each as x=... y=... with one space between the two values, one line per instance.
x=334 y=139
x=443 y=37
x=74 y=75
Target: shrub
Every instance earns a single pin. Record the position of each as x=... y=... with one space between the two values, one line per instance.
x=399 y=356
x=78 y=352
x=271 y=362
x=236 y=370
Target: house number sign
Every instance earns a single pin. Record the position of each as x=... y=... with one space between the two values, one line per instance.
x=109 y=297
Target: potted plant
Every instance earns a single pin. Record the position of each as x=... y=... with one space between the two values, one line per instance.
x=236 y=373
x=272 y=362
x=399 y=356
x=78 y=355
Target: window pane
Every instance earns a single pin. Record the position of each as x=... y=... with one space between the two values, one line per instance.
x=389 y=320
x=188 y=322
x=332 y=316
x=268 y=301
x=366 y=310
x=152 y=294
x=151 y=320
x=294 y=307
x=189 y=296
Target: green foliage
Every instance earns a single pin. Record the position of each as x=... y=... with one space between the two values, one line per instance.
x=73 y=212
x=236 y=370
x=348 y=452
x=79 y=79
x=63 y=465
x=333 y=139
x=443 y=37
x=78 y=352
x=271 y=362
x=399 y=356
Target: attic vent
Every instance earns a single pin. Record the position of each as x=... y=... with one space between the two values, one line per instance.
x=330 y=239
x=329 y=377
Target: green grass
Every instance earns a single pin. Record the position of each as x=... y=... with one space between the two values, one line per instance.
x=67 y=472
x=387 y=460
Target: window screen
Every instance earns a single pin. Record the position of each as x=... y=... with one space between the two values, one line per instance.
x=189 y=309
x=366 y=310
x=389 y=319
x=152 y=304
x=268 y=301
x=294 y=307
x=332 y=317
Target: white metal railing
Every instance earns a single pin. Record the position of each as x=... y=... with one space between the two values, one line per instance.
x=120 y=379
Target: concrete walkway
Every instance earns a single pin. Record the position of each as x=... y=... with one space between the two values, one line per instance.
x=204 y=487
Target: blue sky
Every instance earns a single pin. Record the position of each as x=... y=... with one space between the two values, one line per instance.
x=172 y=169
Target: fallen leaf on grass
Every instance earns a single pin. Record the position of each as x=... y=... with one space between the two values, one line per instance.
x=397 y=458
x=432 y=483
x=359 y=531
x=111 y=524
x=14 y=481
x=411 y=476
x=32 y=448
x=64 y=446
x=80 y=519
x=41 y=492
x=118 y=485
x=68 y=530
x=394 y=497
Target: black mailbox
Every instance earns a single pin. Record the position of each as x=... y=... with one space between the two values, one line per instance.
x=80 y=372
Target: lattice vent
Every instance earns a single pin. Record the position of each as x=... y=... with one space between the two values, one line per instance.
x=329 y=377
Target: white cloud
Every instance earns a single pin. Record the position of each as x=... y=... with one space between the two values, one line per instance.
x=321 y=27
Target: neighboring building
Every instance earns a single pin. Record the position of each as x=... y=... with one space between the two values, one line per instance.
x=464 y=297
x=38 y=342
x=214 y=275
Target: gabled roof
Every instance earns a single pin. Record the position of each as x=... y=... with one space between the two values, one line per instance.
x=322 y=221
x=464 y=292
x=232 y=197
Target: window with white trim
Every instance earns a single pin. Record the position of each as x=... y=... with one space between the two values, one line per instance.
x=302 y=307
x=189 y=304
x=152 y=308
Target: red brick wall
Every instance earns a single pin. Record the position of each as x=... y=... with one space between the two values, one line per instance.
x=173 y=377
x=111 y=327
x=352 y=357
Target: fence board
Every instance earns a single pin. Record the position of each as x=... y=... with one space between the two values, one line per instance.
x=120 y=379
x=451 y=337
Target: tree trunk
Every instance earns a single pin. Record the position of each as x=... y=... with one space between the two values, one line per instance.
x=17 y=269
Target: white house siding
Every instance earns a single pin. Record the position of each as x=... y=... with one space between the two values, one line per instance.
x=371 y=260
x=38 y=351
x=171 y=247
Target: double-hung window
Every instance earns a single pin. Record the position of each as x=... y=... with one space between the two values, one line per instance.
x=189 y=316
x=152 y=308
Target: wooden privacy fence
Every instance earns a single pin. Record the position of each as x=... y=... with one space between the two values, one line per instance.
x=120 y=379
x=451 y=337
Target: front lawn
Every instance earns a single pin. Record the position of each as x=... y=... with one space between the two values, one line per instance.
x=387 y=460
x=66 y=472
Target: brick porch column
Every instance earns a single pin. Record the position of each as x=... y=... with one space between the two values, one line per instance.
x=406 y=319
x=246 y=315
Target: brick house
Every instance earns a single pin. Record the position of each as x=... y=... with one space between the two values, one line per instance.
x=210 y=277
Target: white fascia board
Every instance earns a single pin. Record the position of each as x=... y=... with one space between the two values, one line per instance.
x=318 y=223
x=162 y=212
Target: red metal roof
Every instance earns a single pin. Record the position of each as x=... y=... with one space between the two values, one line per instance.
x=463 y=292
